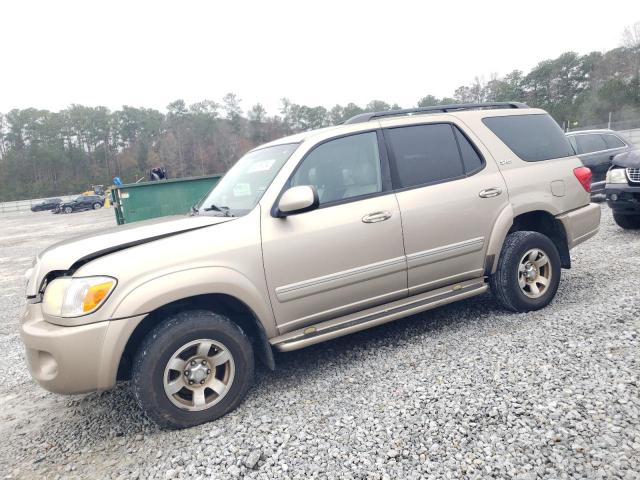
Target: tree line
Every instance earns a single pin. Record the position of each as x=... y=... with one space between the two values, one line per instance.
x=44 y=153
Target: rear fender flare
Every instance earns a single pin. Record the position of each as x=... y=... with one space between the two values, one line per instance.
x=501 y=227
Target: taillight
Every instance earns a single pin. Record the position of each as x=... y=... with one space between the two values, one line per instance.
x=583 y=174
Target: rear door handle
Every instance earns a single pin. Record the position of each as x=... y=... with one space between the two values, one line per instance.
x=490 y=192
x=376 y=217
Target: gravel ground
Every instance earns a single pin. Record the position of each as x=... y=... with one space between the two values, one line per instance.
x=464 y=391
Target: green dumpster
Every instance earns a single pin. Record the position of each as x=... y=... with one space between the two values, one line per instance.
x=139 y=201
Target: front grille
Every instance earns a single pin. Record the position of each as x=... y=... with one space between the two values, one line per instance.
x=634 y=174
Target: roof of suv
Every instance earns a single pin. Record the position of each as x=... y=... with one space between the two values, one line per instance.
x=594 y=130
x=460 y=109
x=455 y=107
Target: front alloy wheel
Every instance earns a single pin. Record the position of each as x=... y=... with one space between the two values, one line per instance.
x=199 y=374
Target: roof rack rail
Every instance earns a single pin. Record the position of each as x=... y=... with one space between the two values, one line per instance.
x=365 y=117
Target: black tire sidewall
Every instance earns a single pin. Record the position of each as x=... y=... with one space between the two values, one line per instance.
x=96 y=206
x=161 y=343
x=509 y=262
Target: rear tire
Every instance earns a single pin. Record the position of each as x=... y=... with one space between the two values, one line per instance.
x=528 y=272
x=68 y=209
x=167 y=386
x=628 y=222
x=97 y=206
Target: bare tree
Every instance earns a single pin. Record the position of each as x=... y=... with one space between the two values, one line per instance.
x=631 y=36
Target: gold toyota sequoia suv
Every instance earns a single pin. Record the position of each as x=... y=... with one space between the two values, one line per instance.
x=305 y=239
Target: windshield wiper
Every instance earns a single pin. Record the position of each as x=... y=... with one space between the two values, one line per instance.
x=222 y=209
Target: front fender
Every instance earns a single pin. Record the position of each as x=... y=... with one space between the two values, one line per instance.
x=158 y=291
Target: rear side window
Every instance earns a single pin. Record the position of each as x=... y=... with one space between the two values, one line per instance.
x=531 y=137
x=612 y=141
x=590 y=143
x=424 y=154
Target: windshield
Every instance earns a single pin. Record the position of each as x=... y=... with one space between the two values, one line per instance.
x=243 y=185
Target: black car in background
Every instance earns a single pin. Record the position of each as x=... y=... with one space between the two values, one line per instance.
x=48 y=204
x=596 y=149
x=81 y=202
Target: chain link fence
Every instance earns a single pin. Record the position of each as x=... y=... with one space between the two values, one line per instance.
x=618 y=126
x=23 y=205
x=630 y=129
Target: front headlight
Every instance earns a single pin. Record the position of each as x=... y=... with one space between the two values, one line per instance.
x=74 y=297
x=616 y=175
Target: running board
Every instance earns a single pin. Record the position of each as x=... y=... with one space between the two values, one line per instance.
x=372 y=317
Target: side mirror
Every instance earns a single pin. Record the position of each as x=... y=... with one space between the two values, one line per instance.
x=298 y=200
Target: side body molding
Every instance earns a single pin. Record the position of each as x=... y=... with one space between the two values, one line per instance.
x=498 y=234
x=153 y=293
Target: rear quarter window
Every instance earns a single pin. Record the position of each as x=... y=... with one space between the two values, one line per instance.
x=533 y=138
x=612 y=141
x=589 y=143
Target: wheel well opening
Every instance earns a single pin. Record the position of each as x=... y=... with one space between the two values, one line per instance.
x=227 y=305
x=545 y=223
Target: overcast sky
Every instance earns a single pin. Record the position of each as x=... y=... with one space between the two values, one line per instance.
x=149 y=53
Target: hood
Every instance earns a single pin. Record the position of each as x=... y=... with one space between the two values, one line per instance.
x=71 y=254
x=629 y=159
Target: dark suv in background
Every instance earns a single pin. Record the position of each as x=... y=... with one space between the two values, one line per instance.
x=82 y=202
x=623 y=189
x=596 y=149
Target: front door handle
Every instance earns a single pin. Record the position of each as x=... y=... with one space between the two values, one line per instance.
x=490 y=192
x=376 y=217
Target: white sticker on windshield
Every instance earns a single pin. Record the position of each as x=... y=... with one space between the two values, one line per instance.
x=242 y=190
x=261 y=166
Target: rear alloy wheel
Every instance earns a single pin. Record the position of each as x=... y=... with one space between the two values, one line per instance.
x=534 y=273
x=628 y=222
x=97 y=206
x=68 y=209
x=192 y=368
x=528 y=272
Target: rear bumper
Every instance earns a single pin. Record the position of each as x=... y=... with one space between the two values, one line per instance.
x=623 y=199
x=581 y=224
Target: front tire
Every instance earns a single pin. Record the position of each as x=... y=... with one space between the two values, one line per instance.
x=97 y=206
x=192 y=368
x=528 y=272
x=628 y=222
x=68 y=209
